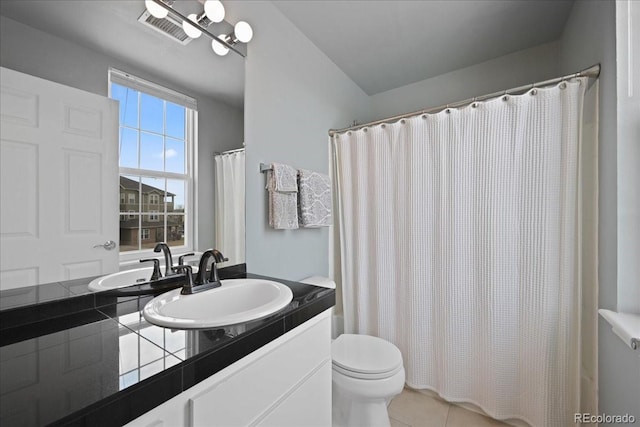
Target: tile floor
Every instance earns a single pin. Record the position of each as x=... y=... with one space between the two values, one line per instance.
x=420 y=409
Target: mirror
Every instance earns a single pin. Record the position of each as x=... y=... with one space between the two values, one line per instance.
x=75 y=43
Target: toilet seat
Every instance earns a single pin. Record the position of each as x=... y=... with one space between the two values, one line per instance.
x=365 y=357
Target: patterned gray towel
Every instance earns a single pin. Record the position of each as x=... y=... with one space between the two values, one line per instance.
x=314 y=199
x=283 y=197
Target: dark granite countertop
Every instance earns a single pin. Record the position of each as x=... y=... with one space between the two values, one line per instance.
x=69 y=357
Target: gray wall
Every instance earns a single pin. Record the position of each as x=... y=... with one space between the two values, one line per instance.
x=509 y=71
x=590 y=37
x=34 y=52
x=293 y=95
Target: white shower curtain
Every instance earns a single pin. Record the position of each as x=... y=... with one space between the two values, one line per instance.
x=229 y=212
x=459 y=238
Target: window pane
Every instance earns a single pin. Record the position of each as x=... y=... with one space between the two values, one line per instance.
x=175 y=230
x=129 y=194
x=153 y=194
x=128 y=148
x=151 y=113
x=128 y=104
x=174 y=156
x=151 y=152
x=153 y=229
x=175 y=120
x=176 y=190
x=129 y=229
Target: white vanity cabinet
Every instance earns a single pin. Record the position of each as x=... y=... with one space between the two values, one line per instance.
x=285 y=383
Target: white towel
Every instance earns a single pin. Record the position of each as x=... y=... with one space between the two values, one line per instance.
x=283 y=197
x=314 y=199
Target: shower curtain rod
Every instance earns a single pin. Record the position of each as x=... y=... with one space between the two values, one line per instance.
x=592 y=72
x=217 y=153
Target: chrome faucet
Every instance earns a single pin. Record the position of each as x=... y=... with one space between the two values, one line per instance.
x=168 y=260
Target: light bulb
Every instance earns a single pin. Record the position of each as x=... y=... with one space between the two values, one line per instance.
x=218 y=47
x=190 y=27
x=214 y=10
x=243 y=32
x=155 y=9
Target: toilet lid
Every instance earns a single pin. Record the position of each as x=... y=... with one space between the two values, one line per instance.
x=365 y=354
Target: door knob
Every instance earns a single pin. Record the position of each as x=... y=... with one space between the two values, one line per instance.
x=108 y=245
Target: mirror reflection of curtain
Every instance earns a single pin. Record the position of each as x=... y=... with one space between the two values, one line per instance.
x=229 y=211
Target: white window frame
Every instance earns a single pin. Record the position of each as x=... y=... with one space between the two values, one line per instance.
x=154 y=199
x=154 y=216
x=191 y=144
x=142 y=233
x=131 y=198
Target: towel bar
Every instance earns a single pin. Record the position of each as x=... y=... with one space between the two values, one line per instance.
x=264 y=167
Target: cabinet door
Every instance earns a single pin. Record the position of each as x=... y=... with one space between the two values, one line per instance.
x=244 y=397
x=309 y=405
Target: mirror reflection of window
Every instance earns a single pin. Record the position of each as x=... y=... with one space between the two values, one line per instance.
x=155 y=174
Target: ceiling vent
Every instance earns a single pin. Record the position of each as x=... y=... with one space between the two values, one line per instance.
x=167 y=26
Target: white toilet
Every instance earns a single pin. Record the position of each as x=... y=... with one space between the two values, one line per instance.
x=367 y=374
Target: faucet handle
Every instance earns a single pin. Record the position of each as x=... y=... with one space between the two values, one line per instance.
x=156 y=268
x=188 y=287
x=182 y=257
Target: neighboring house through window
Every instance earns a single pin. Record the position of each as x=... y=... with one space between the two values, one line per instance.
x=157 y=141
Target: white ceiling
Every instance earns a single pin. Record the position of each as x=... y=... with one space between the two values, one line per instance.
x=112 y=27
x=380 y=45
x=383 y=45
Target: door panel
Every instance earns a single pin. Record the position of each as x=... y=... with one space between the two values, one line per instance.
x=59 y=184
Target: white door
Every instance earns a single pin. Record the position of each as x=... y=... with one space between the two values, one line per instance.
x=59 y=182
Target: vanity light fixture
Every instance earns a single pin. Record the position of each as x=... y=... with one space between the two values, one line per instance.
x=242 y=32
x=157 y=10
x=214 y=10
x=195 y=25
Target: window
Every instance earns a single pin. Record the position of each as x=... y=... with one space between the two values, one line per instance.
x=122 y=198
x=156 y=148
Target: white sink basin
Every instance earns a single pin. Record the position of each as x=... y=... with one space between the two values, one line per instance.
x=124 y=278
x=236 y=301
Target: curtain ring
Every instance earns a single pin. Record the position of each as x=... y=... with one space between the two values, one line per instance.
x=563 y=85
x=505 y=98
x=383 y=126
x=448 y=111
x=403 y=121
x=533 y=91
x=365 y=130
x=424 y=116
x=474 y=105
